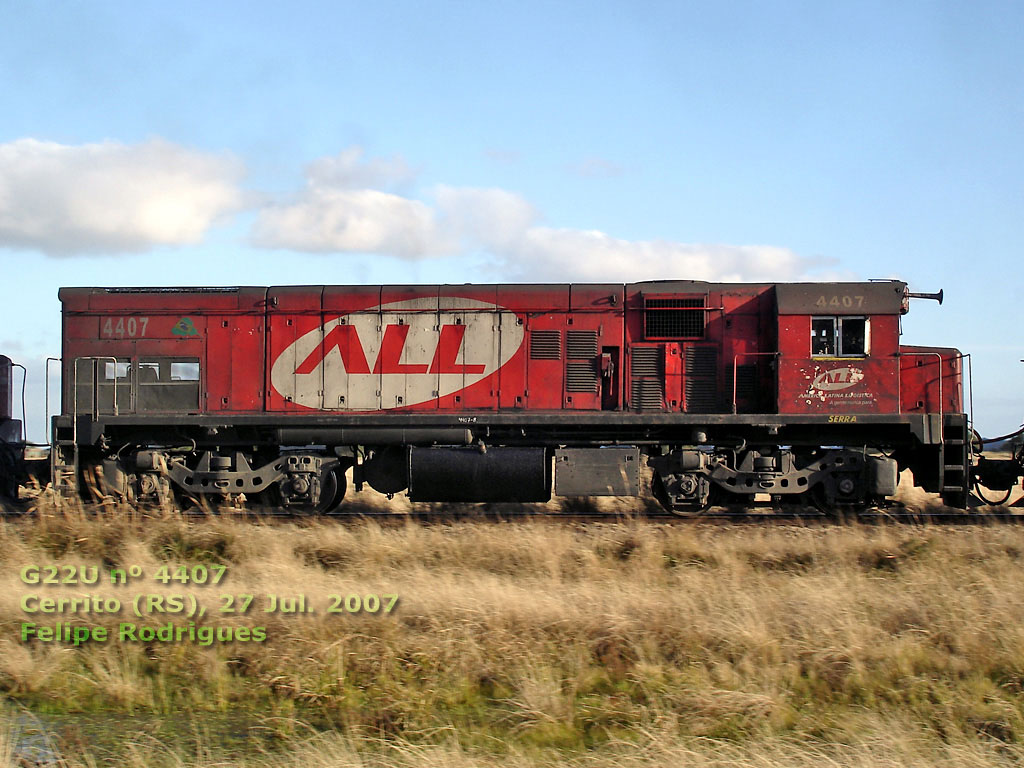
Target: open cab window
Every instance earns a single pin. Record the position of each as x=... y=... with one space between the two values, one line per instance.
x=839 y=336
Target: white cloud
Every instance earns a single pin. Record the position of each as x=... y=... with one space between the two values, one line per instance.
x=348 y=170
x=360 y=220
x=593 y=256
x=344 y=207
x=494 y=219
x=332 y=214
x=111 y=197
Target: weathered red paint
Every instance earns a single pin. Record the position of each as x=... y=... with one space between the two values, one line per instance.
x=468 y=348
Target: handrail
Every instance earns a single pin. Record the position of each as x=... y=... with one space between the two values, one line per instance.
x=95 y=391
x=735 y=361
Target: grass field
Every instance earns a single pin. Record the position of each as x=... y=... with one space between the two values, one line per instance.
x=534 y=643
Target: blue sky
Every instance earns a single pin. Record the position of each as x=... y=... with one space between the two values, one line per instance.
x=456 y=142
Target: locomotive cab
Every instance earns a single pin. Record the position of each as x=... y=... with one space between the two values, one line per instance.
x=839 y=348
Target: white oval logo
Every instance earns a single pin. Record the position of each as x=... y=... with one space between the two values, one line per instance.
x=837 y=378
x=398 y=354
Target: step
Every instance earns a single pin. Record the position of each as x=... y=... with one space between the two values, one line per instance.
x=952 y=489
x=953 y=468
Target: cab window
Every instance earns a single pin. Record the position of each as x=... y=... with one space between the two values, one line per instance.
x=839 y=336
x=168 y=384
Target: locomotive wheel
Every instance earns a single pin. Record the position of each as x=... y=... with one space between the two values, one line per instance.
x=340 y=487
x=981 y=496
x=832 y=509
x=333 y=485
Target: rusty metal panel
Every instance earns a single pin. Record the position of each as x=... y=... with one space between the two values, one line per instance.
x=611 y=471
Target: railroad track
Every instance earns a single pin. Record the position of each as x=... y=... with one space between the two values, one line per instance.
x=720 y=518
x=891 y=516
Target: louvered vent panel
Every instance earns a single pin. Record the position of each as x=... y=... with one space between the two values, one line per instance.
x=647 y=395
x=646 y=361
x=746 y=382
x=545 y=345
x=701 y=388
x=700 y=398
x=581 y=377
x=647 y=392
x=701 y=361
x=581 y=344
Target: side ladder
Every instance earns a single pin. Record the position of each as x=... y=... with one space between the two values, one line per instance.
x=64 y=454
x=954 y=461
x=64 y=463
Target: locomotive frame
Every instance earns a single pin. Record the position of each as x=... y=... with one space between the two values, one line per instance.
x=471 y=393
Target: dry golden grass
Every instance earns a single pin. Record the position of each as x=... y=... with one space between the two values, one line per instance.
x=540 y=643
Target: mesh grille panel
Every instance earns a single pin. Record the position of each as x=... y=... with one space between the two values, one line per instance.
x=674 y=318
x=546 y=345
x=581 y=344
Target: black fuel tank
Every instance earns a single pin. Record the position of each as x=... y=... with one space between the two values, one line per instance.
x=470 y=474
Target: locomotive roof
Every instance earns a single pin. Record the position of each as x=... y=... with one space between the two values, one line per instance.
x=873 y=297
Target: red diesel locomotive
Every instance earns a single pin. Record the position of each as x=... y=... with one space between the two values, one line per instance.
x=799 y=391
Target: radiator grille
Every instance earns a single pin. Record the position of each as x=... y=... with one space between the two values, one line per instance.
x=647 y=392
x=581 y=344
x=701 y=379
x=674 y=318
x=546 y=345
x=581 y=377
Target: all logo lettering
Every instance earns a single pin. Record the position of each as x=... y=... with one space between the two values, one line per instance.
x=398 y=354
x=836 y=379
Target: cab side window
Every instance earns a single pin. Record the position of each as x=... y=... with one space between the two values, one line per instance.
x=852 y=337
x=823 y=336
x=839 y=336
x=168 y=384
